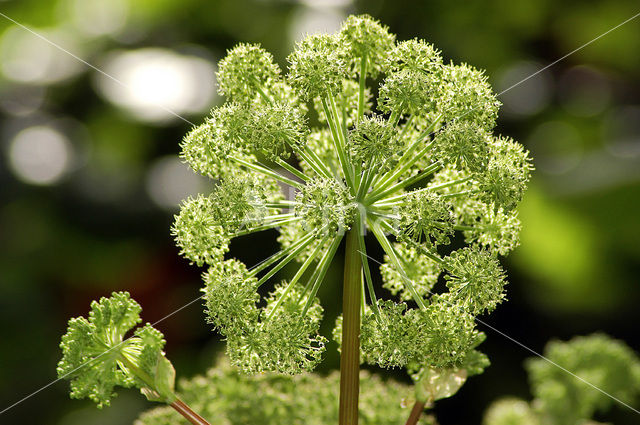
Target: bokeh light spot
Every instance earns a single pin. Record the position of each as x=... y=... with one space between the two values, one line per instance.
x=169 y=181
x=622 y=132
x=556 y=146
x=529 y=97
x=584 y=91
x=315 y=19
x=99 y=17
x=157 y=82
x=26 y=58
x=40 y=155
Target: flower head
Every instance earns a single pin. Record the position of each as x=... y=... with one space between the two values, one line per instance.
x=366 y=40
x=244 y=70
x=421 y=174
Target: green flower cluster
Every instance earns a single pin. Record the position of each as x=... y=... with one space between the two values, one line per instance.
x=562 y=399
x=97 y=358
x=225 y=395
x=421 y=171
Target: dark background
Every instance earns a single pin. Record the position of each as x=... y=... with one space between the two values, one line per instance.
x=90 y=180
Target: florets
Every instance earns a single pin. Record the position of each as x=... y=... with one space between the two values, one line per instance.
x=245 y=69
x=273 y=128
x=425 y=217
x=231 y=297
x=326 y=206
x=374 y=139
x=475 y=279
x=419 y=269
x=464 y=144
x=317 y=66
x=416 y=55
x=200 y=238
x=364 y=38
x=466 y=95
x=406 y=92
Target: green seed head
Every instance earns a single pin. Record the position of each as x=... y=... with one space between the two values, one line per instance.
x=416 y=55
x=425 y=217
x=475 y=279
x=374 y=140
x=245 y=69
x=420 y=172
x=317 y=66
x=326 y=206
x=363 y=37
x=231 y=297
x=200 y=238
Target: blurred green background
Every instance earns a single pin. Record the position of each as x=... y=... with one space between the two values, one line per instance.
x=90 y=179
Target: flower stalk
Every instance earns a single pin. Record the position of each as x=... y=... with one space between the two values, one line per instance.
x=182 y=408
x=416 y=412
x=350 y=355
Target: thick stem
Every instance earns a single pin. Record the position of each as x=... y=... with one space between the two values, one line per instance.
x=189 y=414
x=416 y=412
x=350 y=356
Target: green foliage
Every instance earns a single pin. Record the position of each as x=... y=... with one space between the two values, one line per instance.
x=510 y=411
x=225 y=395
x=574 y=381
x=435 y=384
x=598 y=359
x=96 y=357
